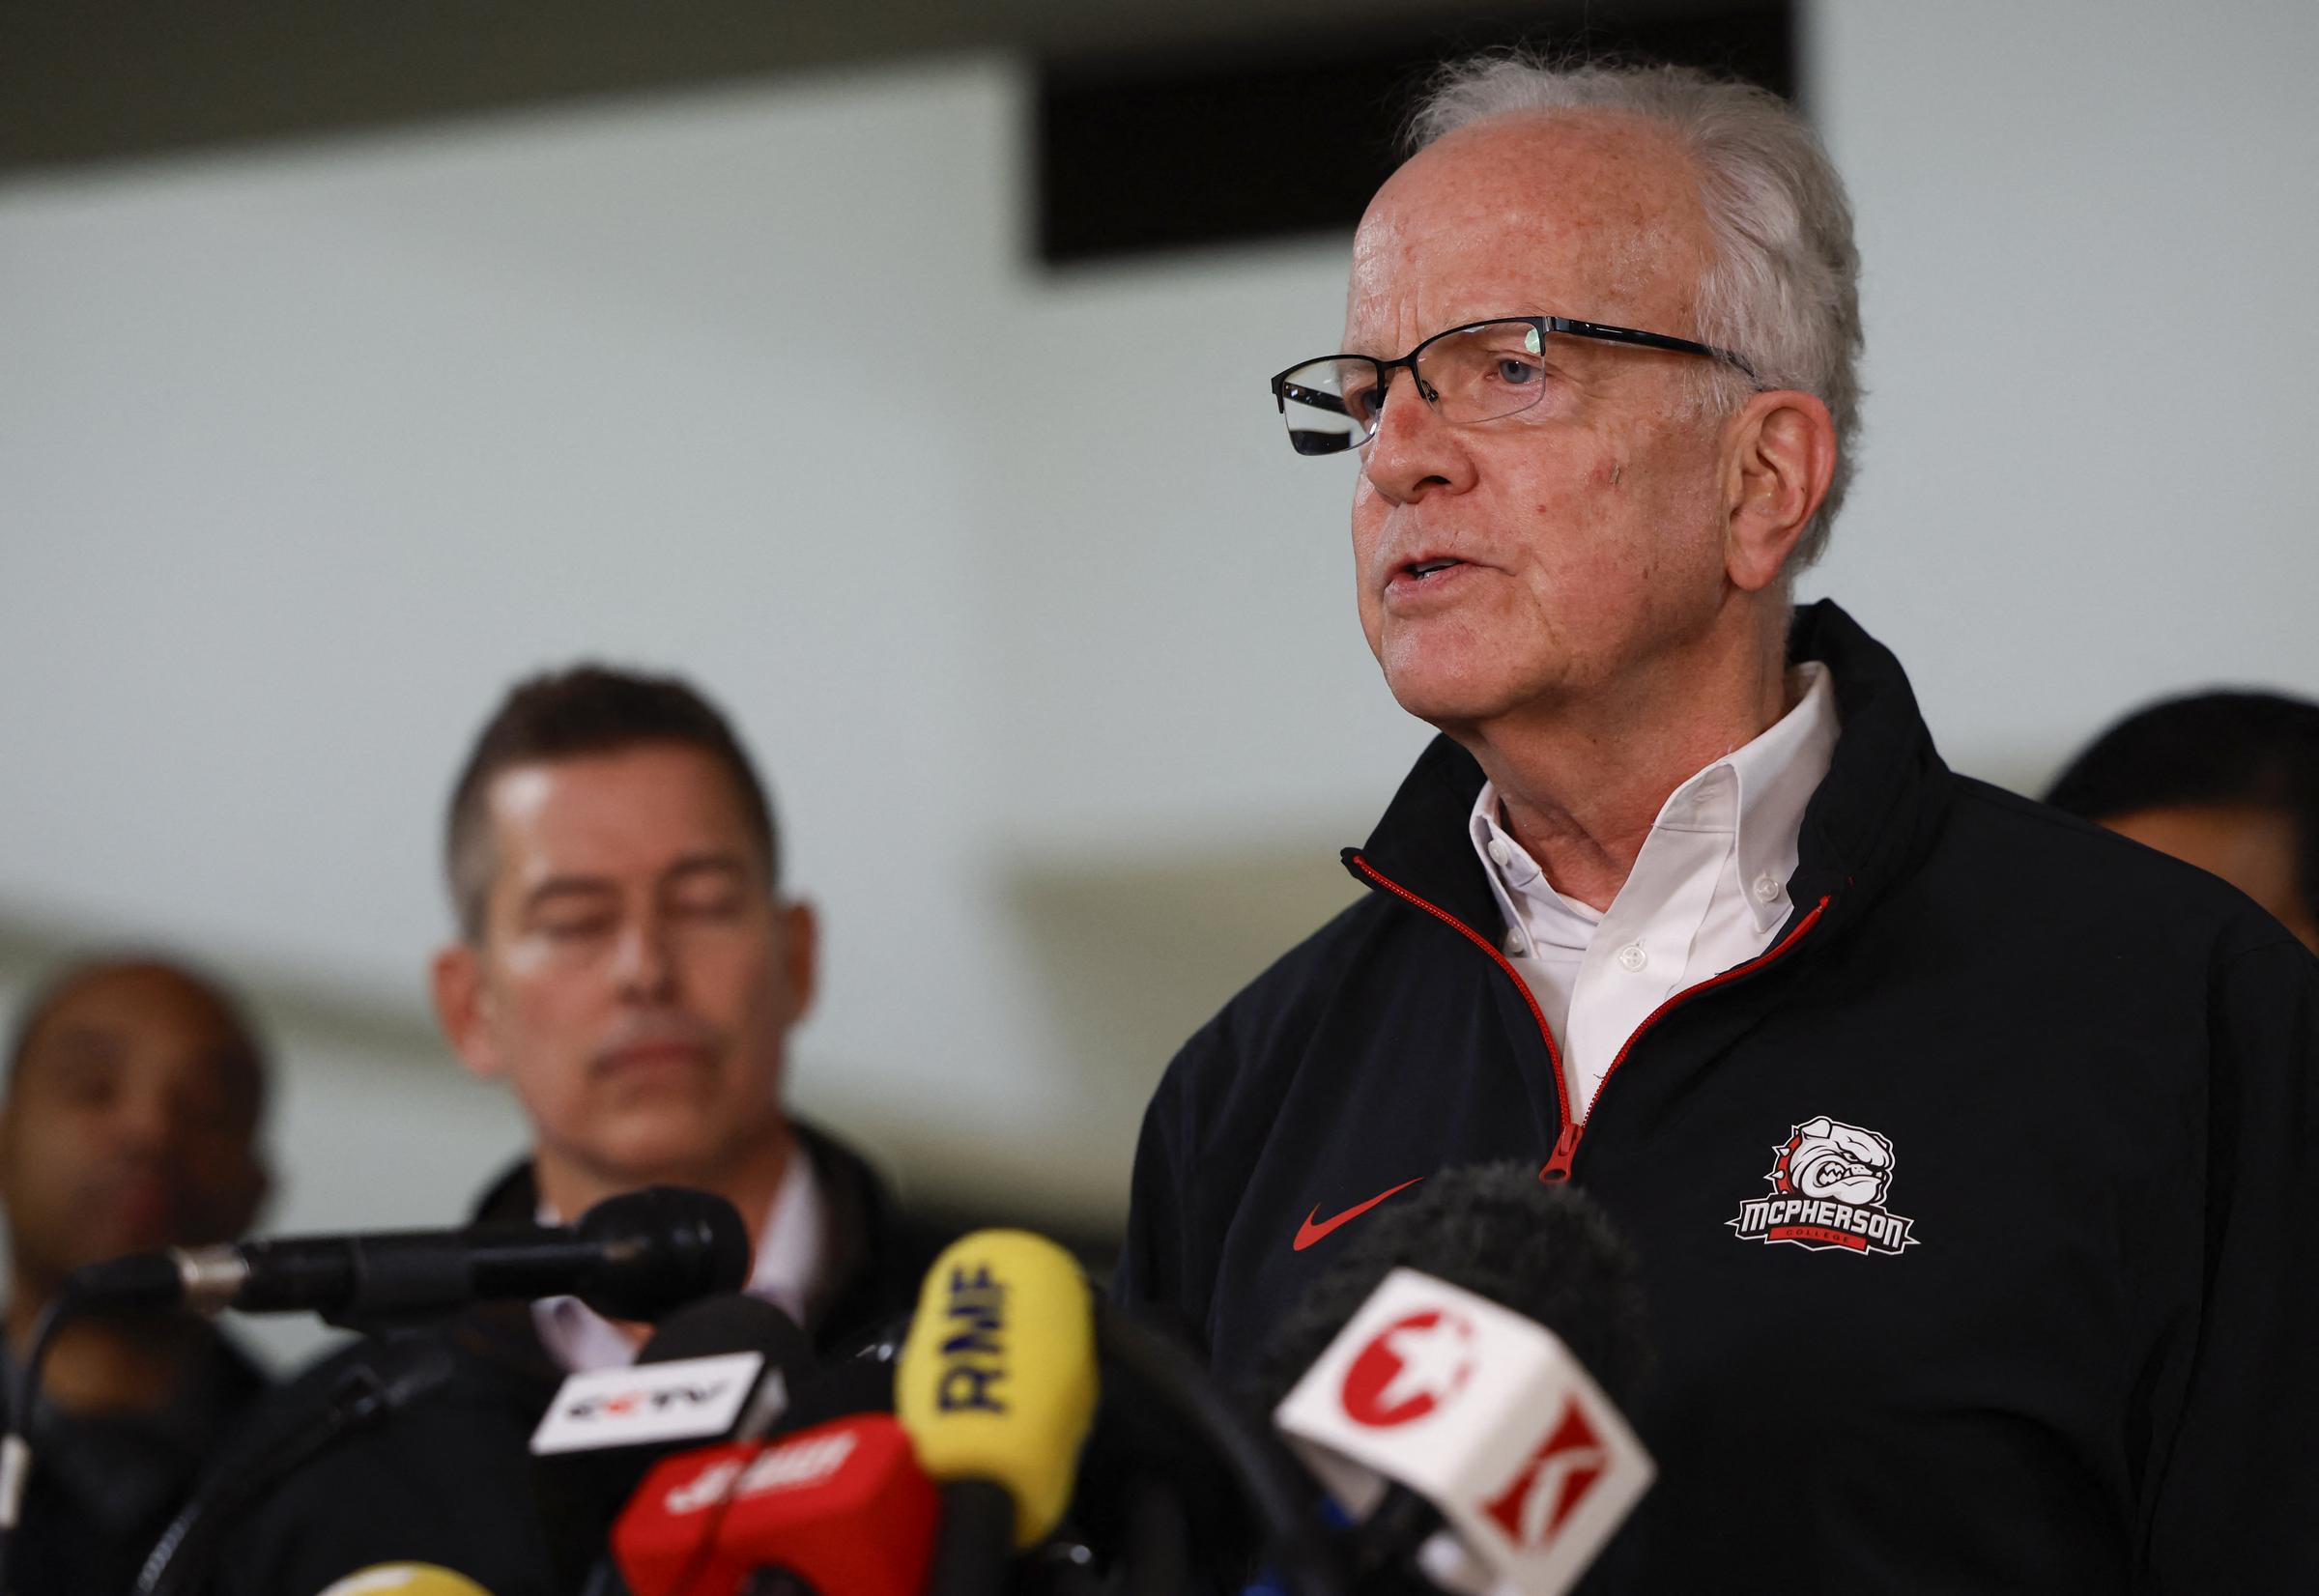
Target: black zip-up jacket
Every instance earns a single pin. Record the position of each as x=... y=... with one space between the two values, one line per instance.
x=2060 y=1335
x=449 y=1480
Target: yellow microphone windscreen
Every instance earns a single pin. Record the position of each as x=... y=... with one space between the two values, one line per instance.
x=997 y=1378
x=405 y=1579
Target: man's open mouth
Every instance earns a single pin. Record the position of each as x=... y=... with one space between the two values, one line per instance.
x=1424 y=568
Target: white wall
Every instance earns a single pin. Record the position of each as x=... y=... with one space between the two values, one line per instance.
x=1006 y=573
x=2088 y=229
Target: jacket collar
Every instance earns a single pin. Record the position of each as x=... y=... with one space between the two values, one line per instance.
x=1864 y=829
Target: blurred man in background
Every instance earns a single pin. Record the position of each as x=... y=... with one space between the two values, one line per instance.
x=134 y=1093
x=629 y=966
x=1965 y=1150
x=2228 y=781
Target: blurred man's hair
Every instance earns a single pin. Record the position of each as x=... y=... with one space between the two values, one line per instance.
x=247 y=1060
x=588 y=709
x=2237 y=748
x=1783 y=289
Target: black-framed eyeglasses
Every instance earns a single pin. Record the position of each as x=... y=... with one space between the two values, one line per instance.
x=1478 y=372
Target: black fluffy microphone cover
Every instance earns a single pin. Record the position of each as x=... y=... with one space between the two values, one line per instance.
x=1496 y=1230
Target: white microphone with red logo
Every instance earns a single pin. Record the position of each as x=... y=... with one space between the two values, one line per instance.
x=1463 y=1431
x=1483 y=1414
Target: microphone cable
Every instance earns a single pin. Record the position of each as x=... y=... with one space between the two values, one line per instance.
x=397 y=1373
x=1255 y=1459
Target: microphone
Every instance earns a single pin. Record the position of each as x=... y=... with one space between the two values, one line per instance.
x=723 y=1367
x=633 y=1256
x=405 y=1579
x=842 y=1508
x=1445 y=1399
x=997 y=1385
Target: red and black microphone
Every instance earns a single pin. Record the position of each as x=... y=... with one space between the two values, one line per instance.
x=839 y=1509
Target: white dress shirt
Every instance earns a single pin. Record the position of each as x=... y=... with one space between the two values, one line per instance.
x=787 y=1271
x=1709 y=891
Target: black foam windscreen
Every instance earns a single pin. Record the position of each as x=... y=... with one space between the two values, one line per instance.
x=730 y=1324
x=665 y=1246
x=1496 y=1230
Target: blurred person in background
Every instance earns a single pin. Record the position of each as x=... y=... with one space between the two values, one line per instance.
x=628 y=964
x=135 y=1089
x=2228 y=781
x=1964 y=1149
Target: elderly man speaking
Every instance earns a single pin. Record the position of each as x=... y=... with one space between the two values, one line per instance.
x=1963 y=1148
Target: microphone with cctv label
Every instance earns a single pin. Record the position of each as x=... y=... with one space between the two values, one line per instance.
x=633 y=1256
x=722 y=1368
x=1459 y=1365
x=997 y=1385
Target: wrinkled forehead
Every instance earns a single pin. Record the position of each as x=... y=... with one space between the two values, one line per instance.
x=1588 y=215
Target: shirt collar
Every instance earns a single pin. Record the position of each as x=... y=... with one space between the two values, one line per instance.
x=1758 y=789
x=1527 y=900
x=1778 y=772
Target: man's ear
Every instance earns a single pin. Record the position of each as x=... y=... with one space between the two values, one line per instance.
x=462 y=1007
x=1781 y=454
x=800 y=955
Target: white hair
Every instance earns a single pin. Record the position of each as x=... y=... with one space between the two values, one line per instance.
x=1783 y=289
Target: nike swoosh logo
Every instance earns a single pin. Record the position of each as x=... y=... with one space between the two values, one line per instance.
x=1315 y=1227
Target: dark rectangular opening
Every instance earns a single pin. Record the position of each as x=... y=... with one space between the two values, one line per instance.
x=1289 y=136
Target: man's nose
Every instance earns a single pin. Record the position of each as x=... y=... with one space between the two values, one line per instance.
x=644 y=961
x=145 y=1123
x=1414 y=451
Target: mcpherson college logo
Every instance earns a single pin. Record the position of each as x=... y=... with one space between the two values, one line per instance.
x=1828 y=1184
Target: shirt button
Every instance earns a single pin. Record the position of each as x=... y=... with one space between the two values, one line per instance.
x=1499 y=850
x=1513 y=942
x=1766 y=889
x=1632 y=956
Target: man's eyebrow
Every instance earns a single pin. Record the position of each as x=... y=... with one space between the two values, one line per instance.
x=706 y=863
x=567 y=886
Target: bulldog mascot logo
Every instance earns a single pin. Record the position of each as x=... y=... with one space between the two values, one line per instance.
x=1828 y=1182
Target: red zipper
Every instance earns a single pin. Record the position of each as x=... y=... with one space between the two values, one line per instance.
x=1562 y=1092
x=1565 y=1143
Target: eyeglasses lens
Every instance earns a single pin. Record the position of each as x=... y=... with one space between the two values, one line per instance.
x=1474 y=374
x=1327 y=404
x=1481 y=373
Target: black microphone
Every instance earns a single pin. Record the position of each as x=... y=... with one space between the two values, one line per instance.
x=633 y=1256
x=726 y=1367
x=1546 y=1252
